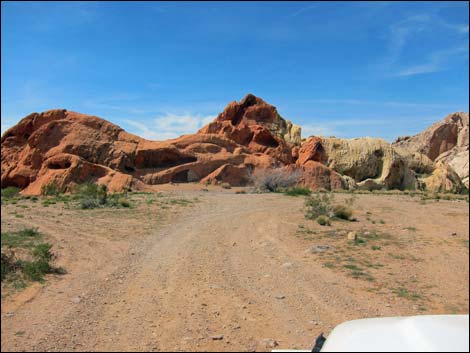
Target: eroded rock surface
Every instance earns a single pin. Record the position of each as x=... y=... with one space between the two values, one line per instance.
x=445 y=141
x=67 y=148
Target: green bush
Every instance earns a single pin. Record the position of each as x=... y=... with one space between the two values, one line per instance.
x=93 y=195
x=124 y=202
x=298 y=191
x=318 y=205
x=323 y=221
x=342 y=212
x=51 y=189
x=29 y=232
x=7 y=264
x=88 y=203
x=25 y=238
x=37 y=269
x=10 y=192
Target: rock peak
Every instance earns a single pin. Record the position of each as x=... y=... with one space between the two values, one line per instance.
x=250 y=100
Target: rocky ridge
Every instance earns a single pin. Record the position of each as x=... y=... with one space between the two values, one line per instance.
x=67 y=148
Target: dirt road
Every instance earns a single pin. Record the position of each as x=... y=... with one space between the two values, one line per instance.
x=227 y=273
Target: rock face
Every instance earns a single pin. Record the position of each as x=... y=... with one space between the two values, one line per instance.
x=445 y=141
x=370 y=163
x=67 y=148
x=257 y=125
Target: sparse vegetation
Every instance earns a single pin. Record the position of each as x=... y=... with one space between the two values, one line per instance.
x=405 y=293
x=323 y=221
x=319 y=205
x=298 y=191
x=22 y=239
x=124 y=202
x=10 y=192
x=93 y=196
x=34 y=263
x=52 y=189
x=275 y=180
x=342 y=212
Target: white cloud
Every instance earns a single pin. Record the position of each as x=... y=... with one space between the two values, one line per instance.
x=304 y=9
x=392 y=104
x=170 y=125
x=435 y=62
x=401 y=33
x=318 y=130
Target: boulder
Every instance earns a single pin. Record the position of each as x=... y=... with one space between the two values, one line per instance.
x=443 y=179
x=446 y=141
x=371 y=163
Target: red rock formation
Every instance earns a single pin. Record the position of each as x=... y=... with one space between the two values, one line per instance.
x=67 y=148
x=257 y=125
x=312 y=150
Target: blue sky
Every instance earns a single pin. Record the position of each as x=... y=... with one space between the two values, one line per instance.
x=161 y=69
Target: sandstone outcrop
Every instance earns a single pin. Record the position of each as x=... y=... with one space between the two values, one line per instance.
x=68 y=148
x=371 y=163
x=445 y=141
x=257 y=125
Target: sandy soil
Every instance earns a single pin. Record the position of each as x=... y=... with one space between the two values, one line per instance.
x=170 y=275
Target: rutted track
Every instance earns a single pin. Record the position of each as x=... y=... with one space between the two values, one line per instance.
x=228 y=266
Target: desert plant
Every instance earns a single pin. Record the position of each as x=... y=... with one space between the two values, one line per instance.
x=7 y=264
x=275 y=180
x=25 y=238
x=10 y=192
x=342 y=212
x=298 y=191
x=124 y=202
x=88 y=203
x=323 y=221
x=226 y=186
x=318 y=205
x=51 y=189
x=29 y=232
x=35 y=270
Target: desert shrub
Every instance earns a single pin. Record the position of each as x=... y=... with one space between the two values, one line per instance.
x=93 y=191
x=298 y=191
x=275 y=180
x=9 y=192
x=323 y=221
x=88 y=203
x=22 y=239
x=29 y=232
x=226 y=186
x=124 y=202
x=40 y=266
x=92 y=196
x=342 y=212
x=51 y=189
x=7 y=264
x=318 y=205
